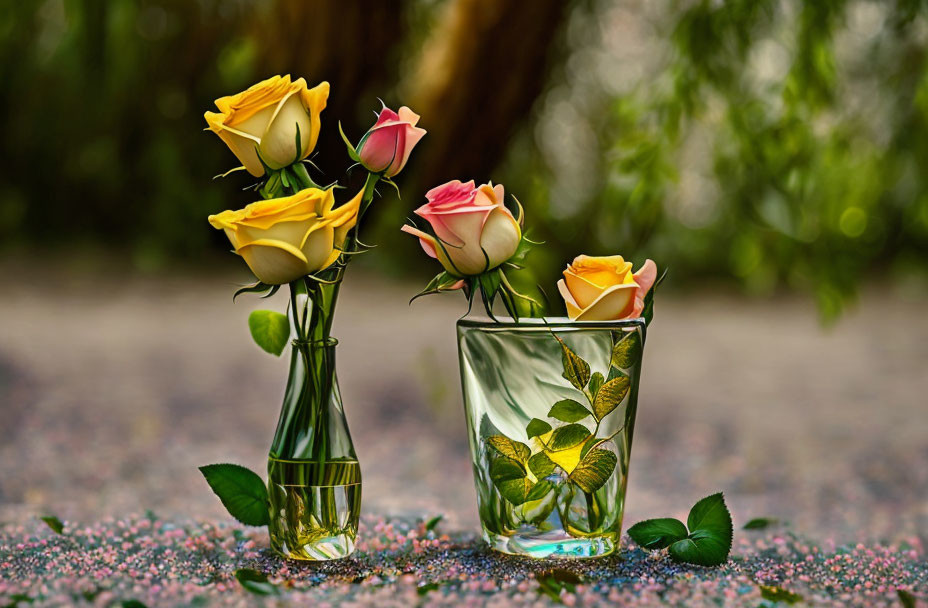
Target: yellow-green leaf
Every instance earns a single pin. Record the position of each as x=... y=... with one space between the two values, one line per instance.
x=541 y=465
x=568 y=410
x=610 y=396
x=627 y=351
x=270 y=330
x=510 y=479
x=594 y=470
x=537 y=427
x=511 y=449
x=576 y=370
x=569 y=436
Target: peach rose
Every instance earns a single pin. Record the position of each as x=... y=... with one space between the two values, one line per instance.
x=386 y=147
x=604 y=288
x=475 y=232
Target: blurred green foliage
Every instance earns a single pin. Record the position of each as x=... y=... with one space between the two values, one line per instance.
x=775 y=143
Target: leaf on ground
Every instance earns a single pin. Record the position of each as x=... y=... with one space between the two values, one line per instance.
x=711 y=531
x=568 y=410
x=430 y=524
x=657 y=533
x=256 y=582
x=424 y=589
x=241 y=491
x=54 y=523
x=270 y=330
x=778 y=594
x=552 y=582
x=759 y=523
x=594 y=470
x=906 y=599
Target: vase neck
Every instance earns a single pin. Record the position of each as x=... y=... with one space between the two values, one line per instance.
x=312 y=307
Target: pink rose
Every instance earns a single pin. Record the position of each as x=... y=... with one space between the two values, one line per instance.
x=475 y=232
x=386 y=147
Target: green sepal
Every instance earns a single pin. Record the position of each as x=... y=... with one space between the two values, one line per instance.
x=352 y=152
x=258 y=287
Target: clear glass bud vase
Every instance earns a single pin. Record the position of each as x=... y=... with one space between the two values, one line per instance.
x=314 y=480
x=550 y=408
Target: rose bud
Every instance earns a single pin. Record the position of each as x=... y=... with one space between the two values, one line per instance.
x=385 y=148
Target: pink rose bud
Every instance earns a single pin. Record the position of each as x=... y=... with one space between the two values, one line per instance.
x=386 y=147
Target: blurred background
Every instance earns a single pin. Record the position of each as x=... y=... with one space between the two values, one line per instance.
x=771 y=153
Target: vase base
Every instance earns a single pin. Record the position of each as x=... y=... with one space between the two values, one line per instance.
x=556 y=545
x=323 y=549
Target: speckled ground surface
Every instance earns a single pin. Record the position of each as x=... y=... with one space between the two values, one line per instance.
x=112 y=391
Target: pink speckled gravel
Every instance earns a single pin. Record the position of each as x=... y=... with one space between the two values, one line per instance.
x=165 y=563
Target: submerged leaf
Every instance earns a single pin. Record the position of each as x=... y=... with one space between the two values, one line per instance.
x=594 y=470
x=568 y=410
x=627 y=352
x=516 y=450
x=540 y=465
x=610 y=396
x=576 y=370
x=537 y=427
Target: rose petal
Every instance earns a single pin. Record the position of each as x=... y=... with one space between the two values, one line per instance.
x=614 y=304
x=645 y=278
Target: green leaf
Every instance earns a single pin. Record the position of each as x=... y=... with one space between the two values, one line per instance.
x=627 y=352
x=423 y=589
x=270 y=330
x=256 y=582
x=430 y=524
x=905 y=598
x=552 y=582
x=596 y=382
x=594 y=470
x=539 y=490
x=541 y=465
x=759 y=523
x=568 y=410
x=778 y=594
x=132 y=604
x=54 y=523
x=710 y=536
x=489 y=283
x=566 y=437
x=576 y=370
x=610 y=396
x=241 y=491
x=657 y=533
x=537 y=427
x=510 y=479
x=516 y=450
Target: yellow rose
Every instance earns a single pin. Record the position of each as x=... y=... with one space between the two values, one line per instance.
x=604 y=288
x=283 y=239
x=265 y=119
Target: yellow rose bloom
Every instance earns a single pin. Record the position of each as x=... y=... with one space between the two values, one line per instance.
x=264 y=119
x=283 y=239
x=604 y=288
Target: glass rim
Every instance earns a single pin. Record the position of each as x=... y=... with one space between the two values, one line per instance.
x=544 y=323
